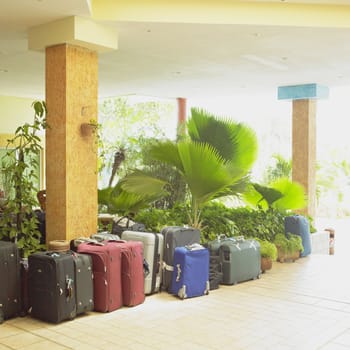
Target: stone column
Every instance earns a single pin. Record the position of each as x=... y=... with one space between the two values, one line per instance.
x=71 y=148
x=304 y=137
x=71 y=47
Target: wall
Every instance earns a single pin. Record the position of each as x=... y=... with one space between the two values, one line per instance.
x=14 y=111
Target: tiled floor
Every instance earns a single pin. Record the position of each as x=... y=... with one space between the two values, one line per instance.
x=301 y=305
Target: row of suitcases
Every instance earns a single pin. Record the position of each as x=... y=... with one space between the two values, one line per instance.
x=85 y=280
x=62 y=284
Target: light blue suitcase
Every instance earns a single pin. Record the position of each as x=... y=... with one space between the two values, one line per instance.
x=299 y=225
x=190 y=277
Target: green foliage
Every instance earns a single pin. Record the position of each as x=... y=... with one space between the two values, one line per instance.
x=267 y=249
x=282 y=194
x=216 y=219
x=19 y=163
x=289 y=243
x=119 y=200
x=281 y=169
x=262 y=224
x=213 y=162
x=155 y=219
x=127 y=127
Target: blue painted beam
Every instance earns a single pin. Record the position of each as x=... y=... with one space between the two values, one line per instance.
x=301 y=92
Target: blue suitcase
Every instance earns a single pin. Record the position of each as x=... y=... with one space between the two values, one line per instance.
x=175 y=236
x=299 y=225
x=190 y=277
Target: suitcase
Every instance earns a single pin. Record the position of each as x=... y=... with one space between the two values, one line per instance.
x=105 y=236
x=10 y=290
x=84 y=292
x=106 y=263
x=153 y=245
x=73 y=244
x=214 y=245
x=175 y=236
x=299 y=225
x=133 y=280
x=215 y=272
x=240 y=259
x=191 y=271
x=51 y=286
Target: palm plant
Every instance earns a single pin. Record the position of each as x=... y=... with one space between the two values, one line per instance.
x=214 y=160
x=281 y=194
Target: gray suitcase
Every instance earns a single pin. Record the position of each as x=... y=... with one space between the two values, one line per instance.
x=153 y=244
x=175 y=236
x=241 y=260
x=10 y=285
x=214 y=245
x=83 y=283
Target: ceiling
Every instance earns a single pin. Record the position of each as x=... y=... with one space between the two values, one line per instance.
x=180 y=59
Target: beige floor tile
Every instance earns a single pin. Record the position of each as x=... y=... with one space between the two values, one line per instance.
x=7 y=330
x=20 y=340
x=44 y=345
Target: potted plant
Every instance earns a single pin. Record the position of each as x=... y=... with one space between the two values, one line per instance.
x=289 y=246
x=18 y=222
x=268 y=252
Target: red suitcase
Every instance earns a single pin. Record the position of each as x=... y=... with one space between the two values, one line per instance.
x=133 y=278
x=106 y=264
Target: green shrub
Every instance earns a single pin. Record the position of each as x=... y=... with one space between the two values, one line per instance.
x=262 y=224
x=267 y=249
x=289 y=243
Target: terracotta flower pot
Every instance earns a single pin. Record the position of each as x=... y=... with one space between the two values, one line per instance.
x=266 y=264
x=282 y=256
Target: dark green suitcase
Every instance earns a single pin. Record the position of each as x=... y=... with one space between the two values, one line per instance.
x=241 y=260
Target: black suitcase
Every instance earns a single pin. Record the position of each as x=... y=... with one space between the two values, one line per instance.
x=51 y=286
x=10 y=290
x=175 y=236
x=84 y=285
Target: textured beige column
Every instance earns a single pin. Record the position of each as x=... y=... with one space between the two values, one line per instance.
x=304 y=150
x=71 y=155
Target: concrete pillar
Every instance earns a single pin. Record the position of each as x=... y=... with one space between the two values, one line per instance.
x=304 y=137
x=71 y=150
x=304 y=150
x=71 y=46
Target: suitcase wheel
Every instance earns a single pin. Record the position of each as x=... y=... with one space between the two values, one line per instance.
x=182 y=292
x=206 y=292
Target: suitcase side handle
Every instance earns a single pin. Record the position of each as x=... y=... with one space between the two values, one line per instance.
x=178 y=272
x=220 y=237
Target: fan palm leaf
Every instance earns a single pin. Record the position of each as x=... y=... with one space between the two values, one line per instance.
x=204 y=170
x=235 y=142
x=293 y=195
